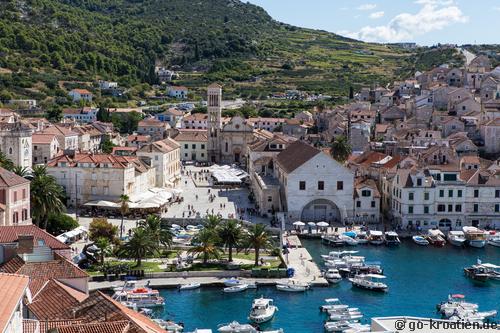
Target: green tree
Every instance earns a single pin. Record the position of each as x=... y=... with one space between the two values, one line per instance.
x=258 y=239
x=59 y=223
x=46 y=196
x=340 y=149
x=104 y=248
x=101 y=228
x=5 y=162
x=152 y=224
x=139 y=245
x=124 y=208
x=230 y=234
x=212 y=222
x=54 y=114
x=206 y=245
x=20 y=171
x=107 y=145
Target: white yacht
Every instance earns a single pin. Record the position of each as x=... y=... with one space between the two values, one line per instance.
x=375 y=237
x=494 y=240
x=292 y=286
x=236 y=327
x=332 y=304
x=236 y=289
x=474 y=237
x=332 y=275
x=169 y=326
x=189 y=286
x=369 y=281
x=263 y=310
x=456 y=238
x=391 y=238
x=454 y=302
x=232 y=282
x=137 y=298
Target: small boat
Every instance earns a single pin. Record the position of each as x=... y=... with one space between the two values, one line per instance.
x=375 y=237
x=454 y=302
x=263 y=310
x=436 y=237
x=474 y=237
x=483 y=272
x=494 y=240
x=332 y=304
x=293 y=286
x=232 y=282
x=169 y=325
x=236 y=327
x=333 y=240
x=456 y=238
x=420 y=240
x=348 y=240
x=189 y=286
x=361 y=237
x=346 y=316
x=236 y=289
x=346 y=326
x=369 y=281
x=333 y=255
x=332 y=275
x=391 y=238
x=140 y=298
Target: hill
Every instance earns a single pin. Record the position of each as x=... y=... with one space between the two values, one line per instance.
x=45 y=42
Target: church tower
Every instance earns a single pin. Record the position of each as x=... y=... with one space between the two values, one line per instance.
x=214 y=124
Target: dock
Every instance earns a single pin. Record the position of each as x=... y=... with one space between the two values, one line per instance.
x=300 y=259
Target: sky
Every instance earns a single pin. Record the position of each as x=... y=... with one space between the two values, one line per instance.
x=426 y=22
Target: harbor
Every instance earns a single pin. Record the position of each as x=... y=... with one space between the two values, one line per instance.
x=434 y=272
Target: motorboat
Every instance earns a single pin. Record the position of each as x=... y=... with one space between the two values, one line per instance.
x=376 y=237
x=263 y=310
x=346 y=326
x=369 y=281
x=361 y=237
x=139 y=298
x=494 y=240
x=332 y=275
x=292 y=286
x=189 y=286
x=454 y=302
x=332 y=304
x=391 y=238
x=456 y=238
x=474 y=237
x=346 y=316
x=235 y=327
x=169 y=325
x=127 y=286
x=420 y=240
x=483 y=272
x=236 y=289
x=348 y=240
x=332 y=240
x=436 y=237
x=232 y=282
x=333 y=255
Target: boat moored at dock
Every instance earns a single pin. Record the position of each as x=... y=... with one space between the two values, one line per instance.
x=420 y=240
x=375 y=237
x=292 y=286
x=391 y=238
x=436 y=237
x=456 y=238
x=369 y=281
x=263 y=310
x=475 y=237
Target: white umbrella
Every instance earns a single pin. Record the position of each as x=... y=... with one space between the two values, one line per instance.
x=299 y=223
x=322 y=224
x=312 y=224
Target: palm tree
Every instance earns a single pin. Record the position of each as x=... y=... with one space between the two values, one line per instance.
x=340 y=149
x=139 y=245
x=230 y=234
x=206 y=244
x=104 y=248
x=258 y=239
x=5 y=162
x=212 y=221
x=20 y=171
x=46 y=196
x=124 y=199
x=152 y=224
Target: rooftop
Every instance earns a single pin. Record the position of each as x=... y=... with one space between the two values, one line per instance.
x=12 y=289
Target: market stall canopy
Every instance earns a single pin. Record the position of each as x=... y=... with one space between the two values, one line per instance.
x=226 y=174
x=322 y=224
x=299 y=223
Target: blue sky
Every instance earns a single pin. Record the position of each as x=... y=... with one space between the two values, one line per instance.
x=425 y=22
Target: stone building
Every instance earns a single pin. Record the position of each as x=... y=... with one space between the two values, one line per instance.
x=15 y=142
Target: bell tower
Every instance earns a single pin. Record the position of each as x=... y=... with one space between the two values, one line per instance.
x=214 y=123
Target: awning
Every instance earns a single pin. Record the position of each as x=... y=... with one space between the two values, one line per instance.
x=102 y=203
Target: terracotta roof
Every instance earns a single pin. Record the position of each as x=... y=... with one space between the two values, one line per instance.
x=192 y=136
x=165 y=146
x=81 y=91
x=12 y=289
x=174 y=112
x=59 y=130
x=178 y=88
x=10 y=234
x=296 y=154
x=48 y=325
x=366 y=182
x=54 y=301
x=152 y=122
x=41 y=272
x=105 y=327
x=196 y=117
x=99 y=160
x=42 y=138
x=8 y=178
x=100 y=307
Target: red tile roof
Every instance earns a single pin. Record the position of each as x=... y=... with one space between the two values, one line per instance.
x=48 y=325
x=12 y=289
x=105 y=327
x=8 y=178
x=192 y=136
x=10 y=234
x=296 y=154
x=81 y=91
x=42 y=138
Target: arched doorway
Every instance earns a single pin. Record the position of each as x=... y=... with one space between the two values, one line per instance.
x=445 y=223
x=237 y=154
x=321 y=210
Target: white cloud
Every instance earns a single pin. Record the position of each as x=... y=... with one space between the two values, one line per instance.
x=433 y=15
x=376 y=15
x=367 y=6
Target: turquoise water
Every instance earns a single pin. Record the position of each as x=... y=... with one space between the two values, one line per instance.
x=418 y=278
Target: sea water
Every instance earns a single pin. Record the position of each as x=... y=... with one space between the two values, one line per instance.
x=418 y=278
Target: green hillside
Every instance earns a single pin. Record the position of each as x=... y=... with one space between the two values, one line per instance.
x=46 y=42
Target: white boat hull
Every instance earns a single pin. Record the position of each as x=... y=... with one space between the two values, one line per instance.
x=377 y=242
x=494 y=242
x=477 y=243
x=457 y=242
x=263 y=318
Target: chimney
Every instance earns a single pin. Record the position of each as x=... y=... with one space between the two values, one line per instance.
x=25 y=244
